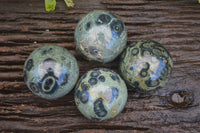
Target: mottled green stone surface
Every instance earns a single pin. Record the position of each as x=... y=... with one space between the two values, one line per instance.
x=100 y=36
x=51 y=71
x=100 y=94
x=146 y=65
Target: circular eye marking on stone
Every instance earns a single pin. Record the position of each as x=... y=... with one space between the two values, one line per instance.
x=99 y=108
x=93 y=51
x=84 y=96
x=88 y=26
x=95 y=74
x=115 y=78
x=92 y=81
x=135 y=51
x=103 y=19
x=84 y=86
x=117 y=26
x=34 y=87
x=49 y=84
x=102 y=78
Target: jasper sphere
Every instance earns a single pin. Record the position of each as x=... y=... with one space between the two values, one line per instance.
x=51 y=71
x=146 y=65
x=100 y=94
x=100 y=36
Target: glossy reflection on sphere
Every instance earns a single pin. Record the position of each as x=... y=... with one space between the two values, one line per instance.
x=146 y=65
x=100 y=36
x=51 y=71
x=100 y=94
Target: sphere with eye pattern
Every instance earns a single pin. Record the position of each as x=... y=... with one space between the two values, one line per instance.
x=100 y=36
x=100 y=94
x=146 y=66
x=51 y=71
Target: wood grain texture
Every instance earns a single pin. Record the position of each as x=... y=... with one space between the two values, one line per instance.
x=24 y=26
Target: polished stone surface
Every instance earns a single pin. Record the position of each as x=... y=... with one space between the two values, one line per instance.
x=51 y=71
x=100 y=36
x=100 y=94
x=146 y=65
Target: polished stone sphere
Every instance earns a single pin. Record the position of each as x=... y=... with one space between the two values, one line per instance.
x=100 y=94
x=100 y=36
x=146 y=65
x=51 y=71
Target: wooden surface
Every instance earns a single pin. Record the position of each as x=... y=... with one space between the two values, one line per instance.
x=24 y=26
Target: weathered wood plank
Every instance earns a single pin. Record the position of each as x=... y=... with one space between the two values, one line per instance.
x=25 y=26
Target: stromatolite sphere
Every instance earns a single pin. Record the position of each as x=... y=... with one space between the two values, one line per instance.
x=146 y=65
x=100 y=94
x=51 y=71
x=100 y=36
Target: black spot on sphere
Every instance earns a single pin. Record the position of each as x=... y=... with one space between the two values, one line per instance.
x=143 y=73
x=103 y=19
x=95 y=73
x=84 y=96
x=99 y=108
x=144 y=52
x=88 y=25
x=47 y=51
x=34 y=87
x=86 y=50
x=144 y=42
x=82 y=54
x=147 y=66
x=136 y=84
x=152 y=83
x=49 y=59
x=135 y=51
x=131 y=68
x=77 y=93
x=84 y=87
x=115 y=77
x=92 y=81
x=115 y=93
x=117 y=26
x=102 y=78
x=50 y=72
x=49 y=84
x=29 y=64
x=93 y=51
x=50 y=49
